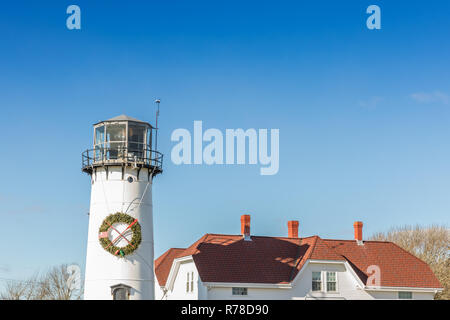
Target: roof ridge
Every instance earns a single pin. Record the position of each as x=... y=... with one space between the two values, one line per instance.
x=326 y=250
x=223 y=234
x=313 y=247
x=333 y=250
x=195 y=244
x=352 y=240
x=309 y=237
x=258 y=236
x=294 y=267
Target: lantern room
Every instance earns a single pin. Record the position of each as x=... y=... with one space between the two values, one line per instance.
x=123 y=141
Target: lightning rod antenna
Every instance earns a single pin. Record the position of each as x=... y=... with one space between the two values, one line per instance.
x=157 y=101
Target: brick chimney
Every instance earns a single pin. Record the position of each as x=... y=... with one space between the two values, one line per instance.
x=358 y=226
x=245 y=226
x=293 y=229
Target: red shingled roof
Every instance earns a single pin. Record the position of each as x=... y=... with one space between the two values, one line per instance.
x=277 y=260
x=398 y=267
x=164 y=263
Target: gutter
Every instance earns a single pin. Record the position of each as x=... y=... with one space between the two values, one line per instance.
x=412 y=289
x=248 y=285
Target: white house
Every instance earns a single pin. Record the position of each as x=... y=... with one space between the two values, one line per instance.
x=246 y=266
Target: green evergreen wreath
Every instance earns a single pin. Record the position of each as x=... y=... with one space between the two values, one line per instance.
x=107 y=244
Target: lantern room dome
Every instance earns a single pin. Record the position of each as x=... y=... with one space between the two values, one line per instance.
x=124 y=117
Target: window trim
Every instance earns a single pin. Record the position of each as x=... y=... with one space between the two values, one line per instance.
x=335 y=281
x=187 y=282
x=315 y=281
x=324 y=281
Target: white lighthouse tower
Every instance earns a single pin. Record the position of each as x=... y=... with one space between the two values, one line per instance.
x=122 y=165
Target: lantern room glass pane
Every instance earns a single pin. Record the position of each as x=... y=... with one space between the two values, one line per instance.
x=99 y=143
x=136 y=141
x=99 y=135
x=115 y=132
x=115 y=141
x=136 y=133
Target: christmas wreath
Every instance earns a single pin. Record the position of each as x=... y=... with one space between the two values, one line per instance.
x=109 y=245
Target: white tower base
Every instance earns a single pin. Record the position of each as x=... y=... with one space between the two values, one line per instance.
x=113 y=192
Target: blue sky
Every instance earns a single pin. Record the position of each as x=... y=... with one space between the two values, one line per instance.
x=363 y=115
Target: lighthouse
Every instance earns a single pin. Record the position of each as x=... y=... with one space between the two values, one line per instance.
x=121 y=165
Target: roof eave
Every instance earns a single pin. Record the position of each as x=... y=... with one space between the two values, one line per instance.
x=412 y=289
x=249 y=285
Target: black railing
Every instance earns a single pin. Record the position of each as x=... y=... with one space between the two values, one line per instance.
x=141 y=157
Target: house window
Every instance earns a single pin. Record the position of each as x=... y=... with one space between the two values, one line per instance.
x=316 y=281
x=190 y=282
x=331 y=282
x=187 y=282
x=239 y=291
x=405 y=295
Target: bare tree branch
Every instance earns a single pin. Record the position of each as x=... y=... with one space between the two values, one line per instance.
x=57 y=284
